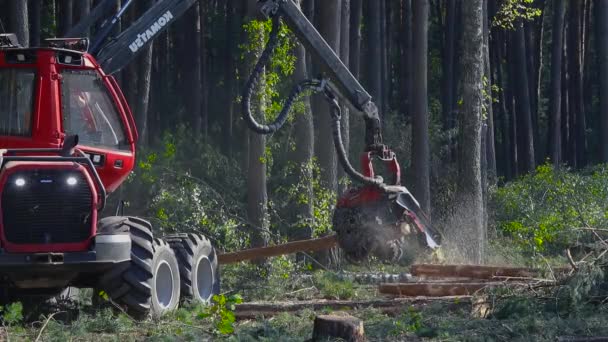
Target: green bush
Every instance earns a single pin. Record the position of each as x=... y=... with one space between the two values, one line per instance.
x=551 y=210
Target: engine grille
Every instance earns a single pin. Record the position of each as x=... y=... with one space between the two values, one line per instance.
x=41 y=207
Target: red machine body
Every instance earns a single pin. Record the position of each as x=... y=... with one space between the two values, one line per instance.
x=50 y=94
x=47 y=124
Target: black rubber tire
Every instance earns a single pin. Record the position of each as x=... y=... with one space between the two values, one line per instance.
x=129 y=284
x=192 y=250
x=166 y=280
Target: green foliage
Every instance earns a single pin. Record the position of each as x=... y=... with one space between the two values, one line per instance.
x=189 y=186
x=545 y=211
x=332 y=287
x=513 y=10
x=221 y=313
x=12 y=314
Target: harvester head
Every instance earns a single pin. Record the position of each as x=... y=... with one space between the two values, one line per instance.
x=377 y=221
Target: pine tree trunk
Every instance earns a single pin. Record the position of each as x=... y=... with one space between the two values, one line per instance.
x=470 y=183
x=327 y=15
x=142 y=103
x=374 y=53
x=557 y=46
x=525 y=128
x=575 y=84
x=420 y=116
x=490 y=150
x=257 y=195
x=18 y=21
x=35 y=13
x=202 y=121
x=601 y=38
x=356 y=15
x=304 y=152
x=405 y=42
x=449 y=54
x=65 y=14
x=345 y=56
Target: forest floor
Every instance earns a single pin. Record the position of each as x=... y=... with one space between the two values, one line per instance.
x=515 y=316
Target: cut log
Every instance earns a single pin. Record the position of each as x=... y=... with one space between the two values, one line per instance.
x=312 y=245
x=389 y=306
x=477 y=271
x=346 y=327
x=435 y=289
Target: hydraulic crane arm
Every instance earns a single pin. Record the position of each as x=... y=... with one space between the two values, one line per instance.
x=122 y=49
x=337 y=77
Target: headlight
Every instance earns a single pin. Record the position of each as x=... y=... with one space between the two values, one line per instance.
x=71 y=181
x=19 y=182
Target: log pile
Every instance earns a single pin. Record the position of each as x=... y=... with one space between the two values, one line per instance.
x=464 y=280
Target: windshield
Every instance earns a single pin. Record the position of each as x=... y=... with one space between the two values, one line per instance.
x=89 y=111
x=16 y=101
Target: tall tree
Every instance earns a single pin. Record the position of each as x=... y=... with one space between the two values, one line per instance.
x=144 y=74
x=18 y=20
x=557 y=47
x=405 y=55
x=469 y=180
x=448 y=65
x=575 y=84
x=257 y=193
x=601 y=37
x=303 y=154
x=327 y=16
x=490 y=149
x=35 y=13
x=66 y=15
x=345 y=57
x=420 y=116
x=356 y=15
x=374 y=51
x=519 y=76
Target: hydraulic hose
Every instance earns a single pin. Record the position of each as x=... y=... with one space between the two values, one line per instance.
x=336 y=114
x=254 y=79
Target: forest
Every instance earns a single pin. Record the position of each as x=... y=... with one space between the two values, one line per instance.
x=497 y=111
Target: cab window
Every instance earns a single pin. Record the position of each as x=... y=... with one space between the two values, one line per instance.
x=16 y=101
x=89 y=112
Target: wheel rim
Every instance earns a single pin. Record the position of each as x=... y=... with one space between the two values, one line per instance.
x=164 y=284
x=204 y=278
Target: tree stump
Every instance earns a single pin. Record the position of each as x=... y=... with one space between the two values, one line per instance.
x=344 y=326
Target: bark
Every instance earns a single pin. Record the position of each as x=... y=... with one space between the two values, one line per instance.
x=356 y=15
x=490 y=149
x=525 y=141
x=345 y=57
x=374 y=53
x=66 y=15
x=142 y=104
x=557 y=46
x=327 y=14
x=406 y=56
x=202 y=120
x=449 y=54
x=470 y=183
x=477 y=271
x=313 y=245
x=18 y=21
x=35 y=13
x=601 y=37
x=575 y=74
x=500 y=107
x=304 y=153
x=232 y=28
x=257 y=193
x=420 y=116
